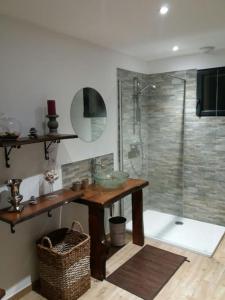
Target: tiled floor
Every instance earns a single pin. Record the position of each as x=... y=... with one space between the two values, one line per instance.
x=201 y=279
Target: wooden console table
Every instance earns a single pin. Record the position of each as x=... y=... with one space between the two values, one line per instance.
x=97 y=200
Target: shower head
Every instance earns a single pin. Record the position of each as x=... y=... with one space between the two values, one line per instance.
x=150 y=85
x=137 y=88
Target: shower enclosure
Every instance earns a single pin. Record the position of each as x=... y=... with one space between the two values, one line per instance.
x=151 y=136
x=161 y=140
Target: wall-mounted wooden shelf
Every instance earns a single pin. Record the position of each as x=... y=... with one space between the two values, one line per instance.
x=8 y=145
x=44 y=204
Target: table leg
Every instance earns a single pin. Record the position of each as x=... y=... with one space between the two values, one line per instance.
x=99 y=247
x=137 y=218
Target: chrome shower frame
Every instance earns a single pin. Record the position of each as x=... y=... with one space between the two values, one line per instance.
x=120 y=139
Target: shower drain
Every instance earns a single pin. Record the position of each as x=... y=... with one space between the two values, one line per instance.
x=179 y=223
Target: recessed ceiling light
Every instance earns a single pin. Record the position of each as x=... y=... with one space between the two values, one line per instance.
x=164 y=10
x=175 y=48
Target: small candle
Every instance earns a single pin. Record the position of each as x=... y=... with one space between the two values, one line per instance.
x=51 y=107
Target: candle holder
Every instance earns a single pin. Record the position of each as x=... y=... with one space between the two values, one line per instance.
x=16 y=197
x=52 y=124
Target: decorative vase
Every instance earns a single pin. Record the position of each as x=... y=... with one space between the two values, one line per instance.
x=10 y=128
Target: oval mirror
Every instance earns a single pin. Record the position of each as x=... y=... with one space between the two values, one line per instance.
x=88 y=114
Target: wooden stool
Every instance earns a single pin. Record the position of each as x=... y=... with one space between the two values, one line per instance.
x=2 y=293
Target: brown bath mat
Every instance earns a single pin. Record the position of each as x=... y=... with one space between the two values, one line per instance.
x=145 y=274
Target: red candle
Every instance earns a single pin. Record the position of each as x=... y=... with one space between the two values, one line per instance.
x=51 y=107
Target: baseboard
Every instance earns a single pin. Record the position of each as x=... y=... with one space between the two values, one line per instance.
x=35 y=286
x=21 y=293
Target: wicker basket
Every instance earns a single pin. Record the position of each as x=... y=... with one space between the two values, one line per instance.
x=64 y=257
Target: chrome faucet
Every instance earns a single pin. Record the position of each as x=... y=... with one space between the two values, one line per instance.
x=94 y=165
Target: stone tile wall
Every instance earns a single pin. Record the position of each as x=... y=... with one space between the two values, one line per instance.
x=184 y=156
x=82 y=169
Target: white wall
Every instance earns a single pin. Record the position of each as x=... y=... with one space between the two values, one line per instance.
x=36 y=65
x=198 y=61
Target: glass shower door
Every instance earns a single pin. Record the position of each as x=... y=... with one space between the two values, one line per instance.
x=133 y=134
x=151 y=137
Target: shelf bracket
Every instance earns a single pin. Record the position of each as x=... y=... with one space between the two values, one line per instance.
x=12 y=228
x=47 y=146
x=8 y=150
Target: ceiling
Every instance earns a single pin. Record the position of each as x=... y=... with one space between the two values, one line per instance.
x=133 y=27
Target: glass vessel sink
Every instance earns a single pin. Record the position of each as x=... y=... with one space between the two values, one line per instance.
x=111 y=180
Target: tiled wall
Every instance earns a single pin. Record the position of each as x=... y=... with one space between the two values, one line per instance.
x=184 y=156
x=204 y=162
x=82 y=169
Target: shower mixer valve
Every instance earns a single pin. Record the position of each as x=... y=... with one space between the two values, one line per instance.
x=134 y=151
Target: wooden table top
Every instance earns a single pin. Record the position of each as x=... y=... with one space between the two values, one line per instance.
x=96 y=195
x=92 y=195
